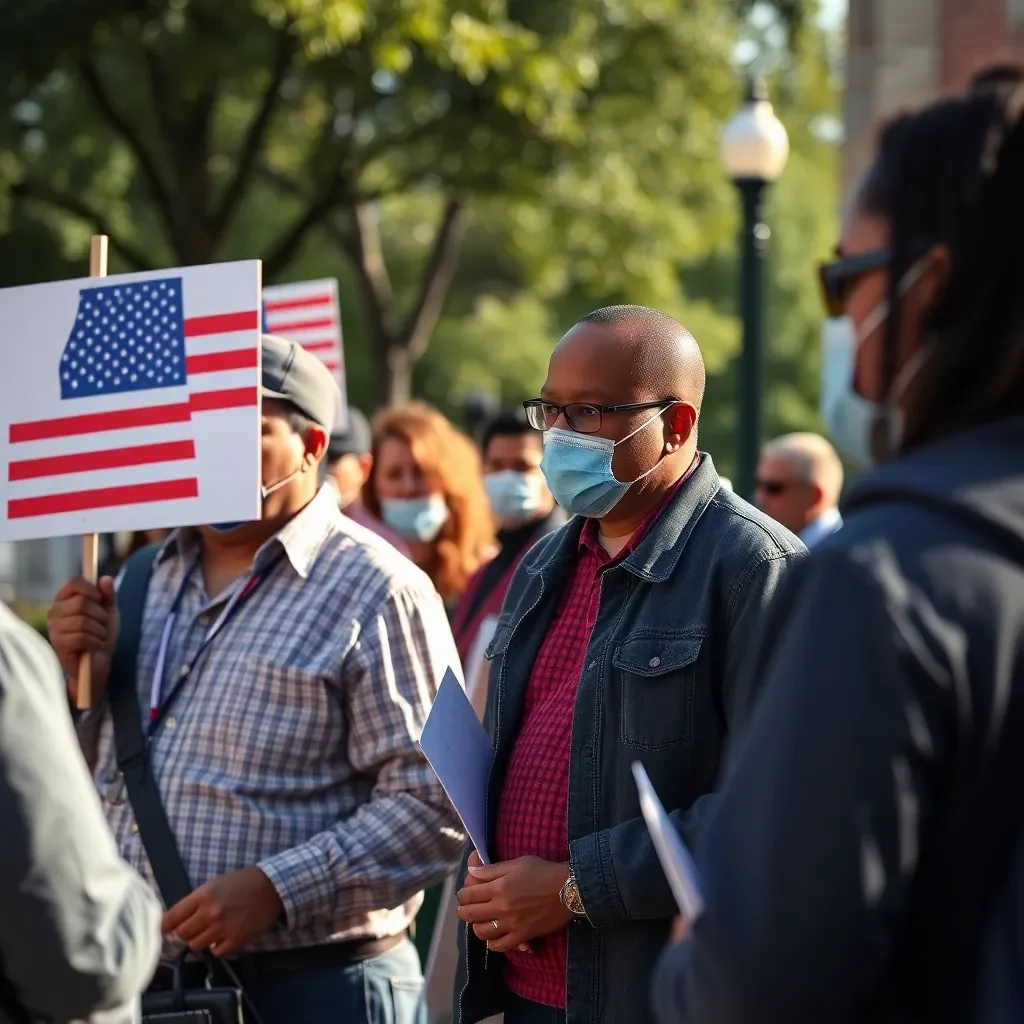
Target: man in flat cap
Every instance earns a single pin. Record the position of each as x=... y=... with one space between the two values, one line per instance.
x=349 y=462
x=288 y=665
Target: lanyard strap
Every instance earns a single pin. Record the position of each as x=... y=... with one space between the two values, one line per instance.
x=158 y=704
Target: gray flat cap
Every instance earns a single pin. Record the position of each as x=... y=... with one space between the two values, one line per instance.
x=355 y=439
x=291 y=374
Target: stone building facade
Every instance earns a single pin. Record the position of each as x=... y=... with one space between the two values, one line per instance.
x=905 y=52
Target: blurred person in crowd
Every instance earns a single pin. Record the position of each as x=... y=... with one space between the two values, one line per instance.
x=425 y=483
x=525 y=512
x=79 y=929
x=111 y=565
x=349 y=463
x=302 y=653
x=621 y=638
x=870 y=810
x=799 y=480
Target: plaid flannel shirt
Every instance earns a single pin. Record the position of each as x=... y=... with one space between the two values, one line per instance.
x=292 y=744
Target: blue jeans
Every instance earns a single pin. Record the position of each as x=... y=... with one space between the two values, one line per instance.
x=522 y=1011
x=386 y=989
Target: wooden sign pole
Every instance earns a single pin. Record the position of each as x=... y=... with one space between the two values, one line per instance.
x=91 y=541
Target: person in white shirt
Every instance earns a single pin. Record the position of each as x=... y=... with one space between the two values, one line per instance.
x=799 y=480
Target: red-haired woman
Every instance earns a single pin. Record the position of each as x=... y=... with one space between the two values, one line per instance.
x=426 y=484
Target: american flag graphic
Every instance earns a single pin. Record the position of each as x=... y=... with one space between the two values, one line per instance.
x=308 y=313
x=135 y=375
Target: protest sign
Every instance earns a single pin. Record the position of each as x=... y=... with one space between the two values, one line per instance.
x=308 y=313
x=675 y=859
x=131 y=403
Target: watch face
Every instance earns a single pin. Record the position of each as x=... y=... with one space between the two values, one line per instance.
x=572 y=899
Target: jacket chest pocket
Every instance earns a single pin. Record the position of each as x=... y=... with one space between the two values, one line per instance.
x=657 y=677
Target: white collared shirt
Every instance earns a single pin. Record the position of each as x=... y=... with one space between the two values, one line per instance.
x=824 y=526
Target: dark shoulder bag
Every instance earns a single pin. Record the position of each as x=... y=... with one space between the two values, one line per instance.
x=210 y=1005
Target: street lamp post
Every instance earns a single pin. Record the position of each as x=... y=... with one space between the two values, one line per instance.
x=754 y=149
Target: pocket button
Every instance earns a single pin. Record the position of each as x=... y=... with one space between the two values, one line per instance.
x=654 y=662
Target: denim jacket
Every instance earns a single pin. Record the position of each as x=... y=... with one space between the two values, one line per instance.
x=659 y=685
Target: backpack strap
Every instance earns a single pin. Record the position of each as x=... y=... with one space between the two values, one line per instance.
x=132 y=749
x=129 y=738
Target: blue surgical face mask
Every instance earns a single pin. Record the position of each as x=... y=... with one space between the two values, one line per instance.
x=416 y=519
x=265 y=493
x=578 y=469
x=515 y=497
x=862 y=429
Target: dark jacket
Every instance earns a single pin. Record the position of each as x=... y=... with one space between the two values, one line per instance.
x=658 y=685
x=872 y=804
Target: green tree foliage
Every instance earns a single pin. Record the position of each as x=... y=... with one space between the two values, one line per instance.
x=519 y=160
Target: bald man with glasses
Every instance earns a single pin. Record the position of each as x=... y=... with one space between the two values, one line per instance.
x=621 y=638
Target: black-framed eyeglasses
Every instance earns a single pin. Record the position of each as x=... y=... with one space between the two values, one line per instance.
x=583 y=417
x=840 y=276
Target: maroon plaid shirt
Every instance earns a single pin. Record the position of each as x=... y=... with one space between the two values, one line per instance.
x=533 y=808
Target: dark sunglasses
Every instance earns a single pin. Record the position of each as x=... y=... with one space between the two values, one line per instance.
x=840 y=276
x=773 y=488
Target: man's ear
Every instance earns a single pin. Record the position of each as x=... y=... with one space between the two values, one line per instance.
x=316 y=443
x=680 y=422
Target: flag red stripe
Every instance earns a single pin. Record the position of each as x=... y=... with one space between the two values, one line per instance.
x=222 y=323
x=299 y=325
x=319 y=346
x=103 y=497
x=113 y=458
x=90 y=423
x=229 y=398
x=333 y=366
x=311 y=300
x=212 y=362
x=128 y=419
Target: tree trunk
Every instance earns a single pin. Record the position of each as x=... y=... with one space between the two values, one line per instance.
x=398 y=379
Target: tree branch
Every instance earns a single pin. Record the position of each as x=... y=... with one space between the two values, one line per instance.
x=256 y=133
x=436 y=279
x=367 y=247
x=368 y=261
x=77 y=208
x=292 y=239
x=90 y=76
x=161 y=93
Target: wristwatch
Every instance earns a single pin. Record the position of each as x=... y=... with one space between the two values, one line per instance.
x=571 y=898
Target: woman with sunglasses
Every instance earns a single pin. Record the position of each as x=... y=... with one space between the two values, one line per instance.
x=868 y=833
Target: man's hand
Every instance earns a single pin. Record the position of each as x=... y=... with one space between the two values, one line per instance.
x=520 y=895
x=83 y=619
x=680 y=930
x=226 y=913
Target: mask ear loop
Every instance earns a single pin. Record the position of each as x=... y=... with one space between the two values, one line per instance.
x=887 y=429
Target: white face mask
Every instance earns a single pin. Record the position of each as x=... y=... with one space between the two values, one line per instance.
x=860 y=428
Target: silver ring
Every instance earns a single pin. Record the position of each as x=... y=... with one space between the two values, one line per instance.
x=496 y=926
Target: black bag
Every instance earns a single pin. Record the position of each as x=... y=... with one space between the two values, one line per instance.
x=210 y=1005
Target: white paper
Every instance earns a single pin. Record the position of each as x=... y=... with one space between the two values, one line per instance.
x=308 y=313
x=675 y=859
x=130 y=402
x=459 y=750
